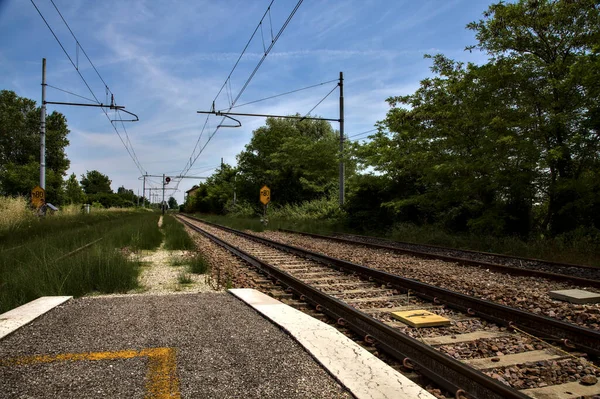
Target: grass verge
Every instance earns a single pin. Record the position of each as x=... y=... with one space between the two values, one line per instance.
x=36 y=265
x=184 y=278
x=175 y=235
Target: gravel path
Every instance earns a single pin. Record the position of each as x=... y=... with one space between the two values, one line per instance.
x=161 y=271
x=527 y=293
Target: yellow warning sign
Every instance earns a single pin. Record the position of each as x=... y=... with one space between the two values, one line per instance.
x=421 y=318
x=38 y=197
x=265 y=195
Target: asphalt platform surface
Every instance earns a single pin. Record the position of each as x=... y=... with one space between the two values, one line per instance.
x=208 y=345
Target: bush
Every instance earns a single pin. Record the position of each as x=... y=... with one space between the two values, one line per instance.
x=323 y=208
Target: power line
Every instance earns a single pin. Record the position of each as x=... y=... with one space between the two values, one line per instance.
x=68 y=92
x=79 y=46
x=283 y=94
x=134 y=158
x=319 y=103
x=360 y=134
x=244 y=50
x=247 y=82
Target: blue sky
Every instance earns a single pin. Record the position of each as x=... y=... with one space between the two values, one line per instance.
x=164 y=60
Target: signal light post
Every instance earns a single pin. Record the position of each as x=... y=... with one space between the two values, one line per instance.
x=166 y=180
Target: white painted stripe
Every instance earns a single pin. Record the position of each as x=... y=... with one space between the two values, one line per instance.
x=25 y=314
x=364 y=375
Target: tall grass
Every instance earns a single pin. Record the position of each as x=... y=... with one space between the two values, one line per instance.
x=326 y=226
x=319 y=209
x=175 y=235
x=14 y=213
x=37 y=266
x=319 y=216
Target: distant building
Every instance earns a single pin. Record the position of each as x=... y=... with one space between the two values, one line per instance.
x=190 y=193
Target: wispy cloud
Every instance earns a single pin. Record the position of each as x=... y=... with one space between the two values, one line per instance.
x=165 y=60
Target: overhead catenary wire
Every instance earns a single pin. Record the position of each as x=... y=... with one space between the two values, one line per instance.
x=75 y=66
x=136 y=160
x=80 y=47
x=274 y=40
x=68 y=92
x=283 y=94
x=244 y=50
x=319 y=103
x=361 y=133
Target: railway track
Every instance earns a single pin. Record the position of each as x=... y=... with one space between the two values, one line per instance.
x=362 y=299
x=582 y=275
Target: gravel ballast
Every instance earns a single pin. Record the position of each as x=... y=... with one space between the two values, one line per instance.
x=527 y=293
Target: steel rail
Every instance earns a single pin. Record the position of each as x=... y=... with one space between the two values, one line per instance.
x=547 y=327
x=469 y=262
x=449 y=373
x=549 y=262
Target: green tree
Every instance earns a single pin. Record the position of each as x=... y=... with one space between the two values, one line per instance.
x=555 y=44
x=214 y=195
x=94 y=182
x=487 y=148
x=20 y=148
x=297 y=159
x=73 y=192
x=172 y=203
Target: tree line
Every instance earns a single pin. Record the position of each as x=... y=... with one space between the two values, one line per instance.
x=508 y=147
x=20 y=154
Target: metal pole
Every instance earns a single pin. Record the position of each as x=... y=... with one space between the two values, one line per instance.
x=341 y=84
x=234 y=189
x=43 y=129
x=144 y=193
x=162 y=204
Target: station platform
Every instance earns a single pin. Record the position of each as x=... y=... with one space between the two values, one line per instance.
x=241 y=344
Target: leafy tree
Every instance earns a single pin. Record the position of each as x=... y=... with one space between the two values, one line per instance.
x=555 y=43
x=487 y=148
x=20 y=147
x=297 y=159
x=73 y=192
x=94 y=182
x=215 y=193
x=172 y=203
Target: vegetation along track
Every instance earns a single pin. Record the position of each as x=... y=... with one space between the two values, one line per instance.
x=498 y=357
x=576 y=274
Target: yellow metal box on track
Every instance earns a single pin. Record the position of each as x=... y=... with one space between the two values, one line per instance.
x=421 y=318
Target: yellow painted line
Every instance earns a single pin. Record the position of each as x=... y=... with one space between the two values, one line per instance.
x=161 y=379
